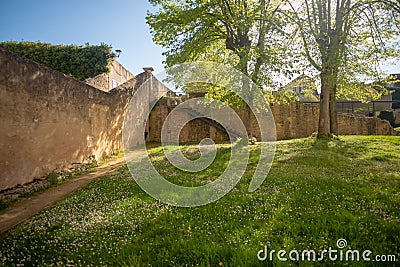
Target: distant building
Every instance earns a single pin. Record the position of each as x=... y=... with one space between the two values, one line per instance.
x=304 y=86
x=115 y=77
x=158 y=90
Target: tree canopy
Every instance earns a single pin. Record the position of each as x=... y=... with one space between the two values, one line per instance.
x=343 y=41
x=242 y=33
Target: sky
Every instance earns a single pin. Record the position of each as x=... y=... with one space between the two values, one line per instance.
x=119 y=23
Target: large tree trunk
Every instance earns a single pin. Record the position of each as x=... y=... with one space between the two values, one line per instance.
x=248 y=122
x=328 y=119
x=333 y=112
x=247 y=93
x=324 y=129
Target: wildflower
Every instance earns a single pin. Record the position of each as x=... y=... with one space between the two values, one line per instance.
x=220 y=263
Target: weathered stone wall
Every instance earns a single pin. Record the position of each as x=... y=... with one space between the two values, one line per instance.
x=295 y=120
x=364 y=126
x=301 y=120
x=50 y=121
x=193 y=131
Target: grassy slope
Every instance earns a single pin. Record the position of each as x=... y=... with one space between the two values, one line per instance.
x=316 y=193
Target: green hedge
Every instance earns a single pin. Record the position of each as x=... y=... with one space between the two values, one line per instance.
x=79 y=62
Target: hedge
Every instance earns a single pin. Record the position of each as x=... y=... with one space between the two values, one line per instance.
x=79 y=62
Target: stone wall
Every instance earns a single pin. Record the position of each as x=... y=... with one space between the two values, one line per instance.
x=301 y=120
x=50 y=121
x=193 y=131
x=295 y=120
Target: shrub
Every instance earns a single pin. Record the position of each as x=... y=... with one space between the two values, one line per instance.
x=388 y=116
x=52 y=178
x=79 y=62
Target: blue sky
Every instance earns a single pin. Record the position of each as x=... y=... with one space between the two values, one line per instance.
x=120 y=23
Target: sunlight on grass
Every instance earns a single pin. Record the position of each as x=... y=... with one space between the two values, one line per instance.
x=316 y=193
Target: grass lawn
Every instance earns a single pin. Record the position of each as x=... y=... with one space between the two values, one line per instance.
x=316 y=193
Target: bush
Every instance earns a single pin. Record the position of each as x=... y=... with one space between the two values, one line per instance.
x=388 y=116
x=79 y=62
x=52 y=178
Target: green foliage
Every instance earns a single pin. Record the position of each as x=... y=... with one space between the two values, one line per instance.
x=53 y=178
x=3 y=204
x=308 y=95
x=238 y=33
x=79 y=62
x=345 y=41
x=388 y=116
x=352 y=38
x=360 y=92
x=305 y=87
x=316 y=193
x=281 y=96
x=224 y=95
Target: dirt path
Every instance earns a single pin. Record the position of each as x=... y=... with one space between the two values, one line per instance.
x=27 y=208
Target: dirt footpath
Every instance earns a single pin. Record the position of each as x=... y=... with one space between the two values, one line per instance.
x=28 y=207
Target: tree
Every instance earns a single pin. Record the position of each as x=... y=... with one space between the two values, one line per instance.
x=242 y=33
x=345 y=41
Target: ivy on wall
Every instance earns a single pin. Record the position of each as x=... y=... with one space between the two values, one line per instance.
x=79 y=62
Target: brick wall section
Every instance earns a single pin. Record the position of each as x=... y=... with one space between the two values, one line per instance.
x=50 y=121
